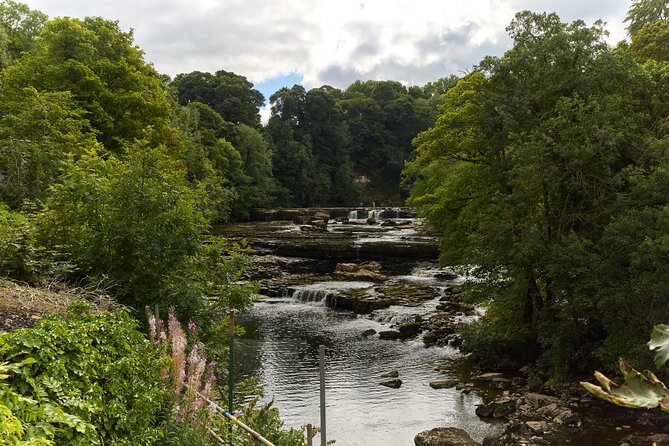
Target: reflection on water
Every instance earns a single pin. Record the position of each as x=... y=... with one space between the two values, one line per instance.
x=281 y=346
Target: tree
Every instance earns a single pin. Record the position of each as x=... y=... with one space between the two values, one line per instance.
x=232 y=96
x=38 y=133
x=522 y=172
x=135 y=222
x=19 y=27
x=643 y=12
x=106 y=74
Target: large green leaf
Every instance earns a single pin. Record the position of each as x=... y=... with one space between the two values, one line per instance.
x=639 y=391
x=659 y=341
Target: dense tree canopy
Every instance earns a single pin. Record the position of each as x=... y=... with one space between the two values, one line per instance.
x=106 y=74
x=229 y=94
x=525 y=174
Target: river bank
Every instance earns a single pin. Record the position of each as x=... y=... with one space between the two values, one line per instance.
x=377 y=277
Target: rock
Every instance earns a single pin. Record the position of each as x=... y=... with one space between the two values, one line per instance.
x=368 y=332
x=562 y=416
x=372 y=266
x=410 y=329
x=430 y=338
x=658 y=439
x=444 y=384
x=444 y=436
x=360 y=272
x=501 y=380
x=547 y=411
x=537 y=426
x=537 y=400
x=487 y=376
x=391 y=374
x=321 y=224
x=388 y=223
x=393 y=383
x=311 y=228
x=646 y=420
x=371 y=221
x=390 y=334
x=484 y=410
x=504 y=408
x=346 y=268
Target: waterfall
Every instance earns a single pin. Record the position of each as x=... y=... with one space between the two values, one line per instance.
x=322 y=297
x=353 y=215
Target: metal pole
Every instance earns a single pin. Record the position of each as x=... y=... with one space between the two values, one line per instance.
x=231 y=382
x=321 y=354
x=256 y=436
x=310 y=434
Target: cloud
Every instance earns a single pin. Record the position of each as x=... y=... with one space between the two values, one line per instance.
x=326 y=42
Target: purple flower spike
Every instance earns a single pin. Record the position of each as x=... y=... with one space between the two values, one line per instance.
x=191 y=325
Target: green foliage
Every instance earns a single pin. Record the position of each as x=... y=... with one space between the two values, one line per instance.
x=105 y=73
x=229 y=94
x=640 y=391
x=497 y=346
x=19 y=27
x=38 y=133
x=85 y=379
x=135 y=222
x=652 y=42
x=659 y=341
x=528 y=172
x=643 y=12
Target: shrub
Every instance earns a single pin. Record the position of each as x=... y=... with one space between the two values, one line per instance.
x=85 y=379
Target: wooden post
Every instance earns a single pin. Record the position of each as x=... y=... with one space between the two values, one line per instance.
x=310 y=435
x=321 y=354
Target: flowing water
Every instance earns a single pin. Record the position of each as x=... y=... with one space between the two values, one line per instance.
x=296 y=264
x=281 y=346
x=283 y=334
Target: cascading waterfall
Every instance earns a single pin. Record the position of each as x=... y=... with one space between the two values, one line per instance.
x=322 y=297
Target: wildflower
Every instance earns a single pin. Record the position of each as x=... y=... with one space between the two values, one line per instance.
x=191 y=325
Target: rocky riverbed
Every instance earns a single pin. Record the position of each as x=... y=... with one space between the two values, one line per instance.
x=380 y=265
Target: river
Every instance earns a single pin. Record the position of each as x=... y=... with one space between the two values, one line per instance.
x=286 y=326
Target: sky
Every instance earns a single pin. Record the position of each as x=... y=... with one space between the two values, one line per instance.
x=276 y=43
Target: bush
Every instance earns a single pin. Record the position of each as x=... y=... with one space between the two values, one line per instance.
x=498 y=345
x=135 y=222
x=84 y=380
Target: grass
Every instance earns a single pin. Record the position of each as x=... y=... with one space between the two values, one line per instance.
x=21 y=305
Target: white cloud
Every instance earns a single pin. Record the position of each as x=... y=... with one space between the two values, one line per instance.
x=326 y=41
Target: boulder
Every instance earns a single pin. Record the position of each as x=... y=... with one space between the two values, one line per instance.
x=444 y=436
x=504 y=409
x=410 y=329
x=393 y=383
x=484 y=410
x=346 y=268
x=537 y=400
x=390 y=334
x=368 y=332
x=372 y=266
x=537 y=426
x=366 y=271
x=444 y=384
x=487 y=376
x=391 y=374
